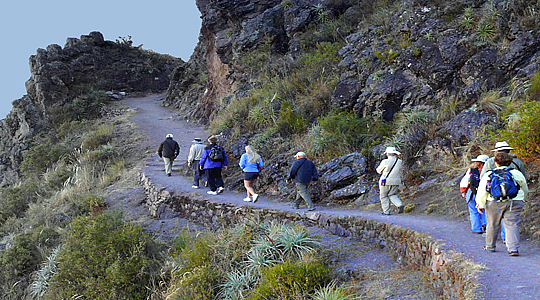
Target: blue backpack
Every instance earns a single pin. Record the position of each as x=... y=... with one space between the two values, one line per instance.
x=502 y=185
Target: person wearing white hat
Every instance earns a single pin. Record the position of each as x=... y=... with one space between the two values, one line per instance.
x=491 y=165
x=390 y=180
x=303 y=171
x=168 y=150
x=194 y=158
x=468 y=187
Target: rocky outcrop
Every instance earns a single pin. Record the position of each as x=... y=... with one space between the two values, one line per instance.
x=61 y=74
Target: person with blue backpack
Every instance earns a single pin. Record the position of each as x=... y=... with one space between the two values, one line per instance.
x=469 y=188
x=501 y=194
x=516 y=164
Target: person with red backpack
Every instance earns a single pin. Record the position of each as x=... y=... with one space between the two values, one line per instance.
x=469 y=187
x=501 y=194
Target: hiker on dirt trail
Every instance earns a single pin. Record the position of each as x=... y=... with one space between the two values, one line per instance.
x=303 y=171
x=469 y=187
x=501 y=193
x=251 y=163
x=516 y=164
x=390 y=181
x=194 y=158
x=168 y=150
x=213 y=159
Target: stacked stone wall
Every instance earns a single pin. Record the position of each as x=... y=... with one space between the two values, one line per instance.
x=448 y=271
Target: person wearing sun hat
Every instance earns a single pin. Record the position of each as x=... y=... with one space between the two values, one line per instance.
x=194 y=157
x=390 y=180
x=504 y=147
x=469 y=187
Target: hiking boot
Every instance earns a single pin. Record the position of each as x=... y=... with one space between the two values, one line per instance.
x=255 y=197
x=168 y=174
x=488 y=249
x=386 y=214
x=212 y=193
x=312 y=208
x=400 y=209
x=513 y=253
x=247 y=199
x=220 y=189
x=194 y=186
x=477 y=232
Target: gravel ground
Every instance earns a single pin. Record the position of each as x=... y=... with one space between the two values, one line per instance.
x=505 y=277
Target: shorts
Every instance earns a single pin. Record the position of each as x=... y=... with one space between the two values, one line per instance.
x=250 y=176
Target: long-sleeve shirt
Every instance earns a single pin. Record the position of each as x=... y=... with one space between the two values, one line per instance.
x=249 y=166
x=516 y=164
x=483 y=195
x=195 y=152
x=393 y=176
x=303 y=170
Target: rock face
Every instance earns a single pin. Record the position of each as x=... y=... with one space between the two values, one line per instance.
x=59 y=74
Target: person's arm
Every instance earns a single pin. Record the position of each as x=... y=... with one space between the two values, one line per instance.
x=464 y=183
x=243 y=160
x=176 y=149
x=482 y=194
x=160 y=150
x=315 y=175
x=191 y=155
x=382 y=166
x=203 y=159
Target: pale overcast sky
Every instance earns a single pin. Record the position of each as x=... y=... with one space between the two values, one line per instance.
x=165 y=26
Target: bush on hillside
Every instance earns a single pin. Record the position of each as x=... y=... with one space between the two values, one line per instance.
x=14 y=200
x=524 y=136
x=534 y=90
x=103 y=258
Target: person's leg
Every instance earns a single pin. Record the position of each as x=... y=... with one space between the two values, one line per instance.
x=385 y=201
x=503 y=232
x=511 y=219
x=392 y=195
x=196 y=173
x=248 y=184
x=493 y=225
x=211 y=179
x=302 y=191
x=168 y=165
x=475 y=216
x=218 y=179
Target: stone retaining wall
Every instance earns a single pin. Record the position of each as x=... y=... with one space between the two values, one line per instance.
x=449 y=272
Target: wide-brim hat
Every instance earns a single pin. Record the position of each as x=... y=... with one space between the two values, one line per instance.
x=391 y=150
x=481 y=158
x=502 y=146
x=300 y=154
x=197 y=140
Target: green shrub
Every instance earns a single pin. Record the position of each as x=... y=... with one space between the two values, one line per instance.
x=290 y=121
x=291 y=280
x=534 y=90
x=42 y=156
x=199 y=284
x=102 y=258
x=21 y=258
x=525 y=137
x=101 y=136
x=14 y=200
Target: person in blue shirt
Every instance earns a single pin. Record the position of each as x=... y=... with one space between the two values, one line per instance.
x=251 y=163
x=213 y=168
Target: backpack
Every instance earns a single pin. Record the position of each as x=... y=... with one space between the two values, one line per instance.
x=217 y=153
x=474 y=180
x=502 y=185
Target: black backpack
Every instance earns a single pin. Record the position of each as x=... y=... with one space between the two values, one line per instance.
x=474 y=180
x=217 y=153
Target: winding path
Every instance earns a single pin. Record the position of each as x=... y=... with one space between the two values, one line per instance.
x=505 y=278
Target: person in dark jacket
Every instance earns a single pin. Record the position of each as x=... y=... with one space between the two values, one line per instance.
x=213 y=168
x=303 y=172
x=168 y=150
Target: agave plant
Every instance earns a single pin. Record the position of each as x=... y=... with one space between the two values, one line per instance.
x=297 y=242
x=258 y=258
x=237 y=285
x=332 y=292
x=42 y=277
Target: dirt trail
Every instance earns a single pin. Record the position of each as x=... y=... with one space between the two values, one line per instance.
x=505 y=278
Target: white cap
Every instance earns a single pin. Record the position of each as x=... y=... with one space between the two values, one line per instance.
x=391 y=150
x=482 y=157
x=300 y=154
x=169 y=136
x=502 y=146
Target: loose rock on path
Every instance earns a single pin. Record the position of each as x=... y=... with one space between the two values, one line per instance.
x=505 y=277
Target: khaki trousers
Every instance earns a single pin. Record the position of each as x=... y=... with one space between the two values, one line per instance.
x=509 y=213
x=389 y=193
x=168 y=165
